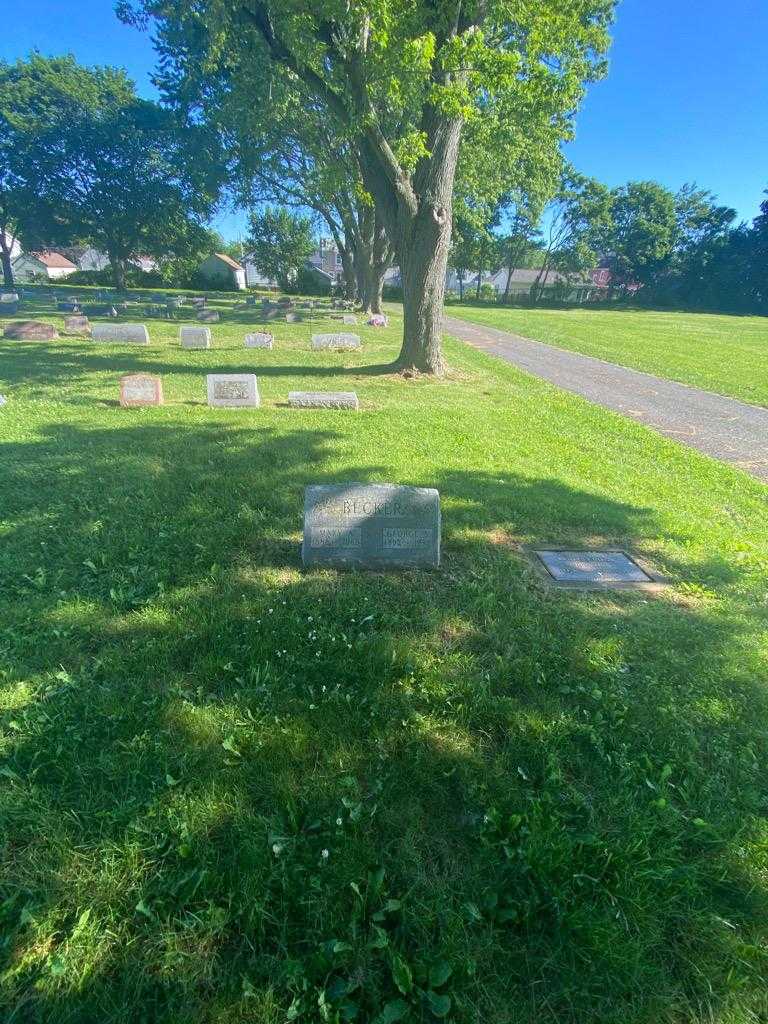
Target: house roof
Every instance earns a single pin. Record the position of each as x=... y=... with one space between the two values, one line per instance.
x=228 y=260
x=49 y=258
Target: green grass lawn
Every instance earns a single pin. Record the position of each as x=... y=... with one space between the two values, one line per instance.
x=724 y=354
x=233 y=791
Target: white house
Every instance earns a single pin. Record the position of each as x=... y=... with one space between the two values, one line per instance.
x=48 y=265
x=222 y=270
x=85 y=257
x=12 y=243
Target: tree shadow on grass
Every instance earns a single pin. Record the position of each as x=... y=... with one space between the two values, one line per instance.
x=562 y=790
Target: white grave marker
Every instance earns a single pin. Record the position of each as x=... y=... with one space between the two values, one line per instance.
x=336 y=342
x=233 y=390
x=323 y=400
x=260 y=339
x=195 y=337
x=136 y=334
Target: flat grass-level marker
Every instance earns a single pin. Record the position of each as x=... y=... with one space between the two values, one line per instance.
x=594 y=569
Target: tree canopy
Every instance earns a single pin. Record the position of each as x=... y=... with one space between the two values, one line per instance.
x=400 y=82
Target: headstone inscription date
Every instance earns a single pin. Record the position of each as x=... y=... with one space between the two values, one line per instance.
x=375 y=526
x=140 y=389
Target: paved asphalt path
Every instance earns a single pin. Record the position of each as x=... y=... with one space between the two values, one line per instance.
x=724 y=428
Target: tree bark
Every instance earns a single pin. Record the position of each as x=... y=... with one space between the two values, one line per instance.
x=5 y=257
x=348 y=273
x=118 y=271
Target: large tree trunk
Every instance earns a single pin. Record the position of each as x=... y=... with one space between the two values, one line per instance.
x=348 y=274
x=118 y=271
x=5 y=258
x=417 y=215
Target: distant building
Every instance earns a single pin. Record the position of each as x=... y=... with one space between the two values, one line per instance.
x=47 y=264
x=585 y=286
x=85 y=257
x=327 y=258
x=223 y=271
x=13 y=244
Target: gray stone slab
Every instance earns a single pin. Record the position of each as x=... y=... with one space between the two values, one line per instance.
x=349 y=318
x=135 y=334
x=259 y=339
x=208 y=316
x=140 y=389
x=195 y=337
x=77 y=324
x=233 y=390
x=9 y=297
x=336 y=342
x=323 y=400
x=592 y=567
x=374 y=526
x=30 y=330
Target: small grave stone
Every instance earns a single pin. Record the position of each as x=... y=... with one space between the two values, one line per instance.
x=349 y=318
x=259 y=340
x=337 y=342
x=134 y=334
x=9 y=308
x=374 y=526
x=195 y=337
x=323 y=400
x=208 y=316
x=9 y=297
x=140 y=389
x=30 y=330
x=3 y=400
x=198 y=300
x=67 y=307
x=378 y=320
x=592 y=568
x=99 y=310
x=233 y=390
x=77 y=324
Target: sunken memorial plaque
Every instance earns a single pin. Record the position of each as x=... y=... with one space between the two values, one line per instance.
x=374 y=526
x=233 y=390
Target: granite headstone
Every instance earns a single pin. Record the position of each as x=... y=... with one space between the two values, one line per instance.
x=375 y=526
x=134 y=334
x=323 y=400
x=336 y=342
x=195 y=337
x=140 y=389
x=233 y=390
x=30 y=330
x=260 y=339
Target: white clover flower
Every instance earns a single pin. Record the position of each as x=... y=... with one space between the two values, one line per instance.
x=277 y=849
x=339 y=821
x=325 y=854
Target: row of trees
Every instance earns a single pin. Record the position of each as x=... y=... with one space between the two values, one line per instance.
x=680 y=249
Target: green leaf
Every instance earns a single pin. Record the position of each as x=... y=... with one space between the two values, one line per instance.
x=394 y=1011
x=439 y=974
x=143 y=908
x=401 y=975
x=229 y=744
x=439 y=1005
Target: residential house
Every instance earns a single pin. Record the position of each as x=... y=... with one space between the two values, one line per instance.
x=46 y=264
x=222 y=271
x=327 y=259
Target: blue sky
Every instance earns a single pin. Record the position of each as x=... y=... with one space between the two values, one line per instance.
x=685 y=98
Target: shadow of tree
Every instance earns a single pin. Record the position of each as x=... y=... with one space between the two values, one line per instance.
x=563 y=791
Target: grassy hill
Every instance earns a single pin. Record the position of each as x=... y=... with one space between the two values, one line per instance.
x=724 y=354
x=234 y=791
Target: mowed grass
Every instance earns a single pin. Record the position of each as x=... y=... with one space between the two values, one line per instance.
x=724 y=354
x=234 y=791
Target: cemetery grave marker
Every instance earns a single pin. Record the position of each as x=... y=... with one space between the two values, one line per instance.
x=323 y=400
x=195 y=337
x=30 y=330
x=375 y=526
x=349 y=318
x=134 y=334
x=594 y=570
x=378 y=320
x=233 y=390
x=337 y=342
x=77 y=324
x=259 y=339
x=9 y=297
x=208 y=316
x=138 y=389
